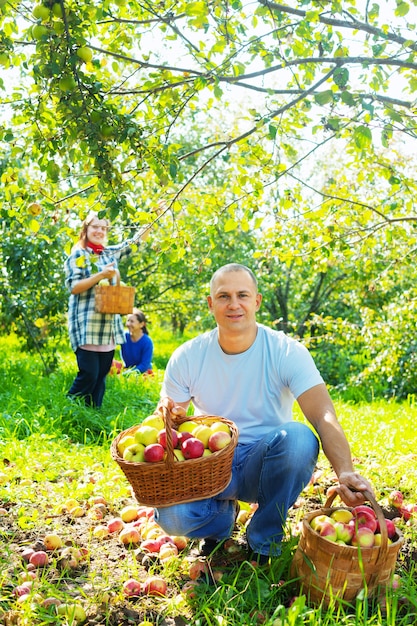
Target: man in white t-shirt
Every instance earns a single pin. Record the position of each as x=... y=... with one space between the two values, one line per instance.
x=251 y=374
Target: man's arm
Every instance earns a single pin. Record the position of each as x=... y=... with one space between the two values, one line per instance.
x=318 y=408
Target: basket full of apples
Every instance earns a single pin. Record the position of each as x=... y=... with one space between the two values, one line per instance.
x=169 y=459
x=343 y=551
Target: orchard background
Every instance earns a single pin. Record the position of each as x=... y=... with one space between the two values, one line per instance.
x=279 y=135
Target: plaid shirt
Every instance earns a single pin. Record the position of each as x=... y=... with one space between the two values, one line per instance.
x=85 y=326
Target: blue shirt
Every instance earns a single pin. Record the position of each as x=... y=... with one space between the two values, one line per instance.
x=138 y=354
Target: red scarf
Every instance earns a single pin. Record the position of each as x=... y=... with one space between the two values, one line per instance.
x=96 y=248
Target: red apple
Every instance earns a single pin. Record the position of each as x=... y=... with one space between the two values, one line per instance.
x=27 y=553
x=192 y=448
x=39 y=558
x=328 y=531
x=150 y=545
x=129 y=535
x=115 y=525
x=24 y=589
x=162 y=438
x=391 y=530
x=155 y=586
x=408 y=511
x=219 y=440
x=154 y=453
x=197 y=568
x=365 y=516
x=132 y=587
x=363 y=537
x=180 y=541
x=396 y=499
x=182 y=437
x=168 y=551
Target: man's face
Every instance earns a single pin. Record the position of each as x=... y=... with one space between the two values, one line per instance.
x=234 y=300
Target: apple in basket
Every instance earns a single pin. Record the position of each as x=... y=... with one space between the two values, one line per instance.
x=365 y=516
x=162 y=438
x=134 y=453
x=192 y=448
x=154 y=453
x=219 y=440
x=341 y=515
x=363 y=537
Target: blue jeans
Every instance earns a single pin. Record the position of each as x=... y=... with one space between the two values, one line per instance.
x=272 y=472
x=90 y=382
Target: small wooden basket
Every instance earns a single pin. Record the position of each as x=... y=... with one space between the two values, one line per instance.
x=327 y=571
x=171 y=481
x=114 y=299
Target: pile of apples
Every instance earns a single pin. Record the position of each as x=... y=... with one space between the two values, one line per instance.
x=355 y=527
x=147 y=442
x=406 y=511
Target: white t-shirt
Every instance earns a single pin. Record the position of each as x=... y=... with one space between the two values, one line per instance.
x=255 y=389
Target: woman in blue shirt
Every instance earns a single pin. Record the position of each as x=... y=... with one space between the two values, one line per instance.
x=137 y=351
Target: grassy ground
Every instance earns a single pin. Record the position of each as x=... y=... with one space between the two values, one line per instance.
x=54 y=451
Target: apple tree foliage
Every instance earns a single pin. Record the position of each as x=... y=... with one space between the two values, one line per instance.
x=278 y=134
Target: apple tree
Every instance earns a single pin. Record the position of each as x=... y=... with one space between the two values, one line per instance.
x=277 y=119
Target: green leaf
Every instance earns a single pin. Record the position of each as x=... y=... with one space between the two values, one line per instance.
x=230 y=225
x=362 y=136
x=272 y=131
x=347 y=98
x=324 y=97
x=341 y=76
x=402 y=9
x=195 y=8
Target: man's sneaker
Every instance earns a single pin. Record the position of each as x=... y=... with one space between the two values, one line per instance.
x=209 y=546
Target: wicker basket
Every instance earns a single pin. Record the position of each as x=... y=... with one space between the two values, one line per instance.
x=326 y=571
x=114 y=298
x=171 y=481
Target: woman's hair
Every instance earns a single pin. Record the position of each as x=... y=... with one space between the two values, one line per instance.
x=82 y=240
x=140 y=315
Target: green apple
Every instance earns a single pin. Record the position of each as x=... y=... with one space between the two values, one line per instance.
x=187 y=426
x=134 y=453
x=73 y=612
x=156 y=421
x=179 y=455
x=41 y=12
x=146 y=435
x=57 y=9
x=67 y=83
x=318 y=521
x=85 y=54
x=39 y=31
x=220 y=426
x=125 y=442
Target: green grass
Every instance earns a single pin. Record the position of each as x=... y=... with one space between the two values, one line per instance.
x=54 y=449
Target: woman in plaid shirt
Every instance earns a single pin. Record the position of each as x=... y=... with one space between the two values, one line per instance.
x=93 y=335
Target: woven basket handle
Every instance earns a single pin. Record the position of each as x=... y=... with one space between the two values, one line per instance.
x=383 y=548
x=170 y=457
